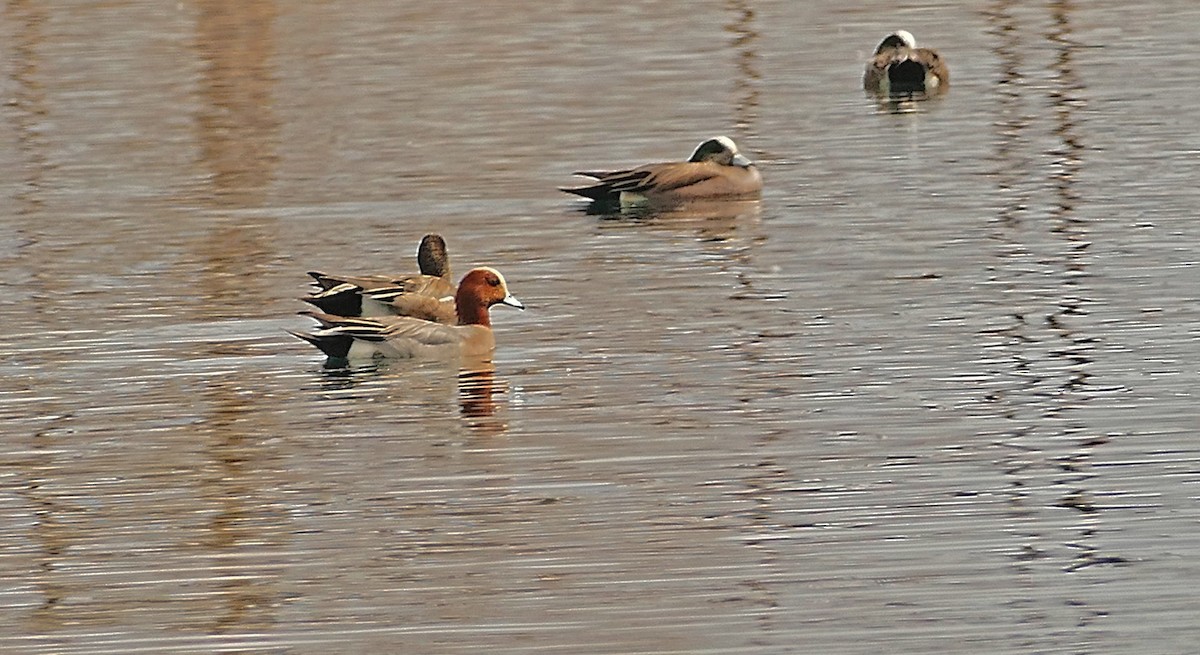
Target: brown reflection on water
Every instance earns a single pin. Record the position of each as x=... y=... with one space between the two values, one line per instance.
x=178 y=526
x=28 y=102
x=481 y=395
x=29 y=113
x=238 y=135
x=716 y=224
x=244 y=526
x=478 y=390
x=236 y=126
x=712 y=220
x=55 y=529
x=54 y=523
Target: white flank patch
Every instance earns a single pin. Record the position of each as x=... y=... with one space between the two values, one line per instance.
x=362 y=350
x=373 y=308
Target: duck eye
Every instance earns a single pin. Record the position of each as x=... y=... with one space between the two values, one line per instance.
x=494 y=281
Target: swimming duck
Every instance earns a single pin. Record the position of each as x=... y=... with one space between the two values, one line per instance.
x=345 y=338
x=716 y=170
x=899 y=67
x=428 y=295
x=420 y=296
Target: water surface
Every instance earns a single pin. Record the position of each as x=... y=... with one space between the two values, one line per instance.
x=933 y=393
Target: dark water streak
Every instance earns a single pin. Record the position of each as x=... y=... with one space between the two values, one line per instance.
x=1046 y=342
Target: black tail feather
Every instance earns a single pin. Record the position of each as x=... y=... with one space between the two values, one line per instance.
x=323 y=280
x=596 y=192
x=335 y=346
x=344 y=303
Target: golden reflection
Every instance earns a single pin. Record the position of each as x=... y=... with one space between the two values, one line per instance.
x=55 y=526
x=235 y=483
x=55 y=529
x=29 y=112
x=480 y=392
x=238 y=135
x=232 y=253
x=237 y=127
x=477 y=391
x=28 y=101
x=708 y=220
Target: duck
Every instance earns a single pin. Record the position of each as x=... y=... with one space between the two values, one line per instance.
x=428 y=294
x=344 y=338
x=418 y=295
x=716 y=170
x=899 y=67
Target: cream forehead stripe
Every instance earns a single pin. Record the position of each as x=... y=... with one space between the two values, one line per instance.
x=498 y=274
x=727 y=142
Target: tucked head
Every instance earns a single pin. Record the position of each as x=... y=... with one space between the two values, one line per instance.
x=897 y=39
x=721 y=150
x=432 y=257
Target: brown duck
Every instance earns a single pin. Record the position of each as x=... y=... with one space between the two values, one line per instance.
x=715 y=171
x=899 y=67
x=428 y=294
x=345 y=338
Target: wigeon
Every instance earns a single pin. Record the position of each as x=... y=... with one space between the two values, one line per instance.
x=899 y=67
x=345 y=338
x=428 y=295
x=715 y=171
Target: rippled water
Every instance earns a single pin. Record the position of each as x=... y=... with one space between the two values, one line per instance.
x=934 y=393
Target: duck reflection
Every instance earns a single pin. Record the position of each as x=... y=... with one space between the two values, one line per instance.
x=477 y=392
x=709 y=220
x=903 y=104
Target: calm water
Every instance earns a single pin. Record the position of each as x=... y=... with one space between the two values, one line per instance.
x=936 y=392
